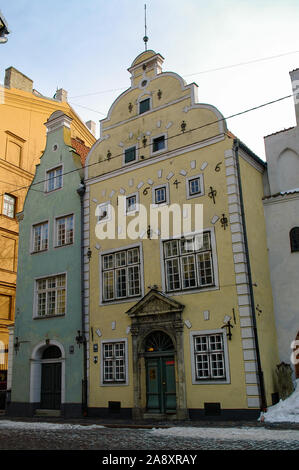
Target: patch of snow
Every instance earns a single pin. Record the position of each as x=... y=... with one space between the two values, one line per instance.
x=285 y=410
x=242 y=433
x=45 y=426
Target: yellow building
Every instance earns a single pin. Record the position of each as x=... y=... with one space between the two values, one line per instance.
x=180 y=318
x=23 y=112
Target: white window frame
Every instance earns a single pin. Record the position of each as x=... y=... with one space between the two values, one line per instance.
x=47 y=179
x=201 y=185
x=157 y=152
x=157 y=187
x=55 y=238
x=136 y=154
x=9 y=205
x=32 y=240
x=131 y=212
x=98 y=209
x=117 y=300
x=191 y=290
x=114 y=383
x=36 y=315
x=209 y=381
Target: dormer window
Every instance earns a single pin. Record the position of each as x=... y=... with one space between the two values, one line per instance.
x=144 y=105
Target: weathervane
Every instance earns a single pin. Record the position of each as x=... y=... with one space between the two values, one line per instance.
x=145 y=36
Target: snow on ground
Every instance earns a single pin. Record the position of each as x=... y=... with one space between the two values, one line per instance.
x=284 y=411
x=44 y=426
x=242 y=433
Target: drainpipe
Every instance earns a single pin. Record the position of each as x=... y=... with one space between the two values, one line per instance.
x=258 y=357
x=81 y=191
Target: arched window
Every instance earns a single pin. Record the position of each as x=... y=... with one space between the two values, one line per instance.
x=158 y=341
x=52 y=352
x=294 y=239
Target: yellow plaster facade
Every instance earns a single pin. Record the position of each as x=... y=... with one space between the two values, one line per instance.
x=23 y=113
x=136 y=291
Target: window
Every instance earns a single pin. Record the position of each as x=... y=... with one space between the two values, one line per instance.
x=159 y=143
x=114 y=362
x=294 y=239
x=160 y=195
x=121 y=275
x=65 y=230
x=51 y=296
x=209 y=357
x=131 y=203
x=54 y=179
x=40 y=237
x=144 y=105
x=130 y=154
x=9 y=206
x=103 y=211
x=194 y=186
x=188 y=263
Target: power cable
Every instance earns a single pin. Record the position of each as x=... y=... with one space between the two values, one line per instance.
x=168 y=138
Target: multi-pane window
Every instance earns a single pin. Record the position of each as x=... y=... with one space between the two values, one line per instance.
x=131 y=203
x=114 y=362
x=40 y=237
x=188 y=262
x=9 y=206
x=209 y=357
x=144 y=106
x=159 y=143
x=195 y=186
x=64 y=230
x=51 y=296
x=121 y=275
x=160 y=195
x=54 y=179
x=130 y=154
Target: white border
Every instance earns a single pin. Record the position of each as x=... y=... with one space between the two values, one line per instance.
x=226 y=357
x=114 y=384
x=46 y=276
x=31 y=251
x=55 y=230
x=47 y=170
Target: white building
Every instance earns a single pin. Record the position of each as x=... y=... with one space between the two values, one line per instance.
x=281 y=206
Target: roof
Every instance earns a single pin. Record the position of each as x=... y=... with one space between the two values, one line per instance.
x=278 y=132
x=80 y=148
x=283 y=193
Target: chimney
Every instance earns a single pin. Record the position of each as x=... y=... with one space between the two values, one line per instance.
x=16 y=79
x=92 y=127
x=295 y=86
x=61 y=95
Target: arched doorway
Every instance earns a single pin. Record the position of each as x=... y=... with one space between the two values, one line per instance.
x=160 y=373
x=51 y=379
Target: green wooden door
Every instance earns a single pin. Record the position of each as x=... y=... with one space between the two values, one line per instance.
x=51 y=386
x=161 y=389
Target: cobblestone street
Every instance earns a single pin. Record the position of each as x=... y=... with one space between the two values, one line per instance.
x=31 y=435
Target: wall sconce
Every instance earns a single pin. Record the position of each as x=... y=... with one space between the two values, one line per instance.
x=16 y=344
x=89 y=253
x=80 y=338
x=228 y=326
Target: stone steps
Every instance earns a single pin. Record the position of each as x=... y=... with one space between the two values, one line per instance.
x=42 y=412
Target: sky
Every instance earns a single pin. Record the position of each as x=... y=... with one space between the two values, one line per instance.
x=238 y=52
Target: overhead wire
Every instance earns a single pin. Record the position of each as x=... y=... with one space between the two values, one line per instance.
x=168 y=138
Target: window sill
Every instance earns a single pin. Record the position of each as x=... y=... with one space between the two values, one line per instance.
x=39 y=251
x=42 y=317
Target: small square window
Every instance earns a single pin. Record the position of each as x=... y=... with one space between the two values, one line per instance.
x=130 y=154
x=160 y=195
x=159 y=143
x=144 y=106
x=194 y=186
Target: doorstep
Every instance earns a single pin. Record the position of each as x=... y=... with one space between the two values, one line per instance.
x=49 y=413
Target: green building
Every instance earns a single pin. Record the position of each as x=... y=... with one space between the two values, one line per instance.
x=47 y=373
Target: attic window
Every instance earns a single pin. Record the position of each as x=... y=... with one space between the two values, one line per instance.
x=144 y=106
